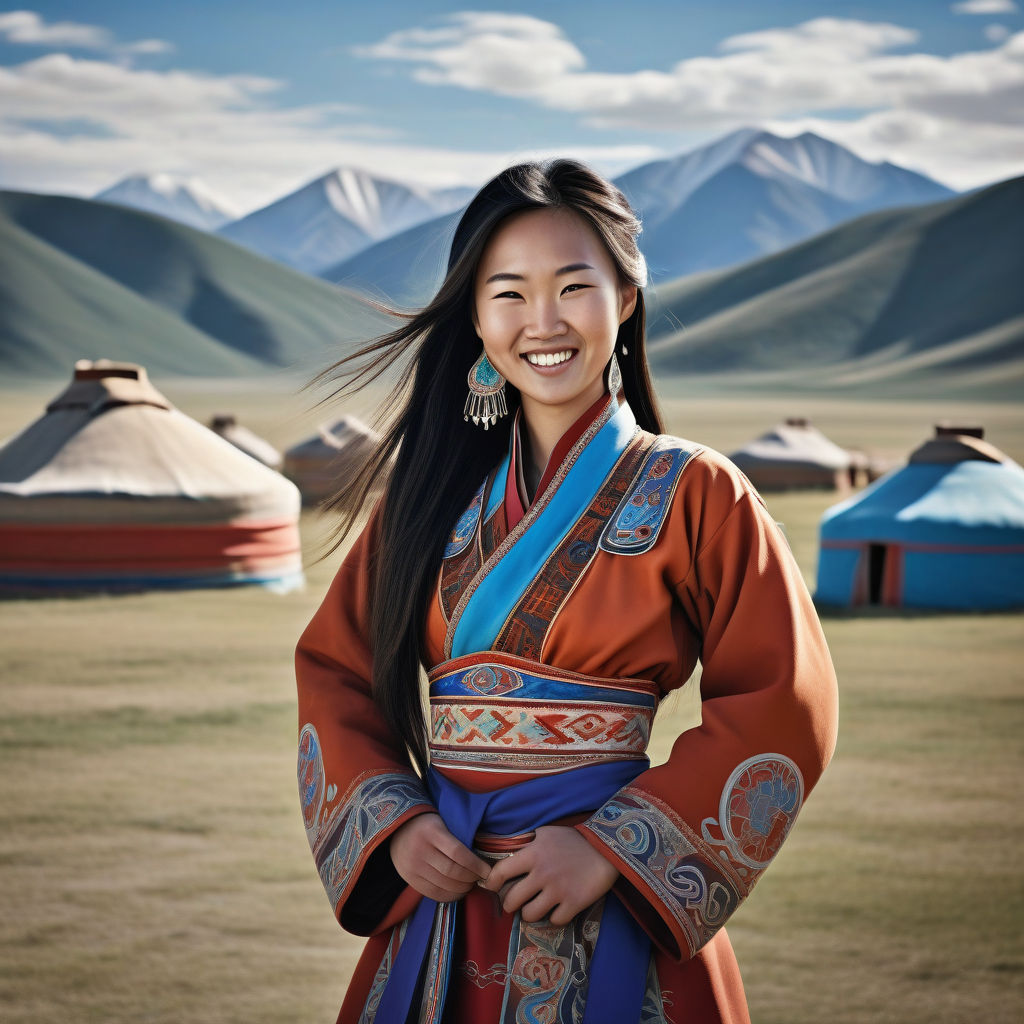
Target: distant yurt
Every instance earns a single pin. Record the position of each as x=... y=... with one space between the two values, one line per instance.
x=796 y=455
x=944 y=531
x=336 y=451
x=245 y=440
x=115 y=489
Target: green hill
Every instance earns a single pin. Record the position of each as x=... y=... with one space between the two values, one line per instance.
x=87 y=278
x=899 y=301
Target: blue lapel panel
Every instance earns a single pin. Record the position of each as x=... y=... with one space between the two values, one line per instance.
x=508 y=577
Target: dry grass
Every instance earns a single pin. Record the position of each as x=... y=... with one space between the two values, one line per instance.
x=153 y=866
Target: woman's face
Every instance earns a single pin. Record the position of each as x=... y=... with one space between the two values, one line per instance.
x=548 y=304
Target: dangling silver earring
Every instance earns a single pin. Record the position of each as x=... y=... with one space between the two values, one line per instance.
x=625 y=351
x=614 y=376
x=486 y=399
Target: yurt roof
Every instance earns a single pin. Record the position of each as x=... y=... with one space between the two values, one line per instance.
x=112 y=447
x=332 y=438
x=228 y=427
x=793 y=442
x=953 y=486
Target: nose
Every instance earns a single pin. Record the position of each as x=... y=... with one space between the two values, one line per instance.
x=546 y=323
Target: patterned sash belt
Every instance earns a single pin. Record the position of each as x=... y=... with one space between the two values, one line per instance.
x=524 y=718
x=594 y=731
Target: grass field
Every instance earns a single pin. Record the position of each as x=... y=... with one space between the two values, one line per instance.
x=153 y=866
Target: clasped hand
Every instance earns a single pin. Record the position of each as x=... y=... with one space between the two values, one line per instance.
x=556 y=875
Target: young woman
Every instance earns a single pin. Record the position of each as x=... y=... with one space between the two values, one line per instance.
x=558 y=565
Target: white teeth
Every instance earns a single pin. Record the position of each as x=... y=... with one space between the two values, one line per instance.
x=549 y=358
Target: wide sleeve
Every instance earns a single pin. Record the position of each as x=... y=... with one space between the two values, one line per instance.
x=692 y=836
x=356 y=782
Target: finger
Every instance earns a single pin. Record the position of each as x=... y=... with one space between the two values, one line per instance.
x=540 y=906
x=441 y=881
x=436 y=893
x=460 y=854
x=450 y=869
x=520 y=893
x=563 y=913
x=516 y=864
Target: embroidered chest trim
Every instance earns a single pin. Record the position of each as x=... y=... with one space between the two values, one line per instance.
x=634 y=527
x=527 y=624
x=473 y=580
x=470 y=543
x=465 y=529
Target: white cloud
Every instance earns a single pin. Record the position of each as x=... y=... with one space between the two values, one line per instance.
x=984 y=7
x=815 y=68
x=843 y=37
x=511 y=54
x=218 y=128
x=29 y=29
x=823 y=64
x=76 y=124
x=996 y=33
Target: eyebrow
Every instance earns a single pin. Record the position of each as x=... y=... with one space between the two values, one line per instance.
x=570 y=269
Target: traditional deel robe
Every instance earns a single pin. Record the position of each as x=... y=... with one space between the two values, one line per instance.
x=556 y=629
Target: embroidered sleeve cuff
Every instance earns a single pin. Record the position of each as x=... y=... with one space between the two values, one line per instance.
x=344 y=832
x=689 y=887
x=373 y=808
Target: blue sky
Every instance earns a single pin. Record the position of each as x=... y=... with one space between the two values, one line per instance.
x=256 y=98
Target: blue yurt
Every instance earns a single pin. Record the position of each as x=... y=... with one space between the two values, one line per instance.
x=944 y=531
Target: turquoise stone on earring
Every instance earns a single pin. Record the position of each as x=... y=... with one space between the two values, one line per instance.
x=486 y=399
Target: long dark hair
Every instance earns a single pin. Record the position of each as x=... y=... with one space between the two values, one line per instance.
x=430 y=461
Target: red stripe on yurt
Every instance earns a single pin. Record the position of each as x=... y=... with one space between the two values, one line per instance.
x=892 y=577
x=946 y=549
x=100 y=545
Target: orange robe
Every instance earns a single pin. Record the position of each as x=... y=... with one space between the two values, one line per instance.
x=611 y=587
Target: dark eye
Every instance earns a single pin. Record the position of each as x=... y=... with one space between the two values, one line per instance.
x=573 y=287
x=507 y=295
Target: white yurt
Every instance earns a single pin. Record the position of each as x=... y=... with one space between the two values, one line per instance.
x=795 y=455
x=227 y=426
x=319 y=464
x=115 y=489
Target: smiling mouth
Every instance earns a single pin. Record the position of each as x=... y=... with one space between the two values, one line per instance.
x=549 y=358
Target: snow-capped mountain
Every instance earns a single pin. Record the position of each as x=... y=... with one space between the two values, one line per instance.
x=337 y=215
x=746 y=195
x=179 y=198
x=752 y=193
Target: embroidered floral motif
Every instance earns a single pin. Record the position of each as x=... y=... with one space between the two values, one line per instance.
x=466 y=526
x=548 y=974
x=496 y=974
x=701 y=880
x=634 y=527
x=759 y=804
x=311 y=779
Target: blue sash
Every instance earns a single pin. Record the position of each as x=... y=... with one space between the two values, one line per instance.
x=618 y=969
